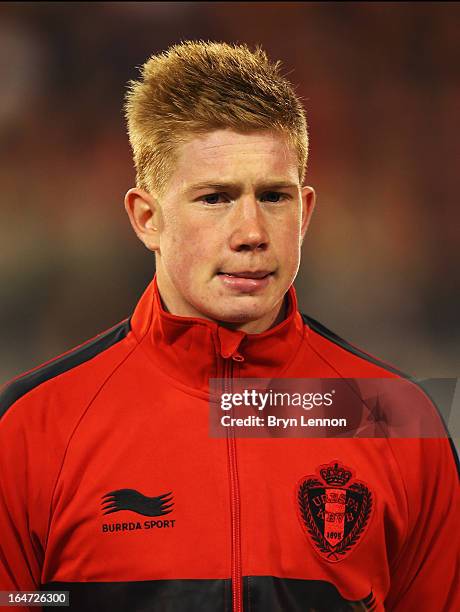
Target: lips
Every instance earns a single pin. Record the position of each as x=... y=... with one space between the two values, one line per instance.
x=256 y=274
x=249 y=282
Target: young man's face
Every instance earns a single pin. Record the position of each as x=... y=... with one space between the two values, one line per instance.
x=227 y=232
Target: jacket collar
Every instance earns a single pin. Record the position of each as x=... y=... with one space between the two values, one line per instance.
x=192 y=350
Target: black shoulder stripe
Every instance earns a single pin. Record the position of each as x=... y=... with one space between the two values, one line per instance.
x=19 y=387
x=330 y=335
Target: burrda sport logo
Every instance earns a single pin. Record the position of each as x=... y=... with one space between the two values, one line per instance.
x=136 y=502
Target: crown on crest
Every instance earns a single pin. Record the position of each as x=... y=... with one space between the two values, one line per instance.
x=335 y=475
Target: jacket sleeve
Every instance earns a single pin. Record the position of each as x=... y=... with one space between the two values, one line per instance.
x=425 y=574
x=20 y=549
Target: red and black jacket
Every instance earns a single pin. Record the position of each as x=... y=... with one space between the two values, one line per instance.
x=111 y=487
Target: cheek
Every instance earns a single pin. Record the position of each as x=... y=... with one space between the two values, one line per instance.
x=191 y=230
x=175 y=239
x=185 y=247
x=288 y=240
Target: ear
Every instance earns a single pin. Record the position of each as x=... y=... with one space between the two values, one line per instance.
x=144 y=214
x=308 y=205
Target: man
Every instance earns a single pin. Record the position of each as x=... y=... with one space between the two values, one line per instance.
x=111 y=486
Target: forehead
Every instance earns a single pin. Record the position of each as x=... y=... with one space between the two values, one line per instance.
x=232 y=156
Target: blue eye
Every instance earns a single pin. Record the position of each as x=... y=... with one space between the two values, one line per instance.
x=273 y=196
x=212 y=198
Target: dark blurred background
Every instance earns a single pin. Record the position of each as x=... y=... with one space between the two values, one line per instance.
x=381 y=88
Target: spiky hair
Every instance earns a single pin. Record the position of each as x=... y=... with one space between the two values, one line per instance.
x=197 y=87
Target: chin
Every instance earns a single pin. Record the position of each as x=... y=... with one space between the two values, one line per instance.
x=239 y=314
x=237 y=318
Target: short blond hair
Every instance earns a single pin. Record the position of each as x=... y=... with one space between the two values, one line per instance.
x=197 y=87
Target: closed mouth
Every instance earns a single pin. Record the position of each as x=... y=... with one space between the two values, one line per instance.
x=248 y=274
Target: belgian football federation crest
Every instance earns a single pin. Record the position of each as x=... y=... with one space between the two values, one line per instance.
x=334 y=509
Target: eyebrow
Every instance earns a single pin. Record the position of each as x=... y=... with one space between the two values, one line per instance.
x=223 y=186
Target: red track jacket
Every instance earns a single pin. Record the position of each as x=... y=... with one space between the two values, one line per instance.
x=111 y=487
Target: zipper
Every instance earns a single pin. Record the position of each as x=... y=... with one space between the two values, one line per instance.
x=237 y=591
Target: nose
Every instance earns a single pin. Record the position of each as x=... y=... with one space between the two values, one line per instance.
x=249 y=232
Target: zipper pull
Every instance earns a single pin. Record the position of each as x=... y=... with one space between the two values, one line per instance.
x=237 y=357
